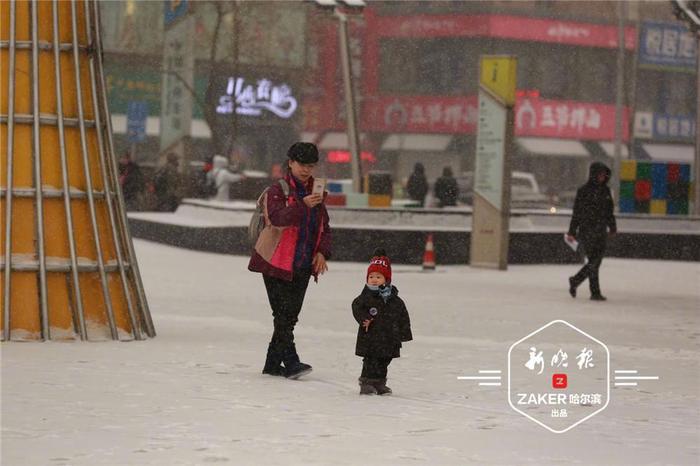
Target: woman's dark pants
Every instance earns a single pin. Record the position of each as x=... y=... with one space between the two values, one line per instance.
x=286 y=299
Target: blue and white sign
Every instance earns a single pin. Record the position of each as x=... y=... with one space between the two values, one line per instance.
x=669 y=45
x=136 y=115
x=173 y=10
x=674 y=127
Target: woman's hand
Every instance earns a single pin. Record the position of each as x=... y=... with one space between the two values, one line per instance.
x=319 y=264
x=312 y=200
x=366 y=323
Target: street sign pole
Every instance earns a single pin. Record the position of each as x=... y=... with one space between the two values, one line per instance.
x=350 y=109
x=492 y=174
x=178 y=74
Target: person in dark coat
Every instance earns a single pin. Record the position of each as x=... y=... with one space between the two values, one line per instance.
x=293 y=247
x=383 y=325
x=131 y=181
x=169 y=184
x=417 y=186
x=446 y=189
x=592 y=222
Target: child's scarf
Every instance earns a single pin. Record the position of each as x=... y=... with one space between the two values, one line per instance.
x=382 y=290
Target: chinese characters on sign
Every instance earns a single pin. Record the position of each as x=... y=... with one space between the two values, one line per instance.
x=674 y=127
x=667 y=45
x=178 y=74
x=250 y=100
x=439 y=114
x=565 y=119
x=421 y=114
x=534 y=117
x=136 y=116
x=490 y=153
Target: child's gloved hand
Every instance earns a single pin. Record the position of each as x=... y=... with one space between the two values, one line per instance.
x=366 y=323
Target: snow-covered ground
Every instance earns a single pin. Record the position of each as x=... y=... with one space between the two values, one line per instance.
x=194 y=395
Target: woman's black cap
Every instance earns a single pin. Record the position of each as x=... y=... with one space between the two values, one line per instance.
x=303 y=152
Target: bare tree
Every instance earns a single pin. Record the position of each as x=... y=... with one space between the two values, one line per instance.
x=213 y=68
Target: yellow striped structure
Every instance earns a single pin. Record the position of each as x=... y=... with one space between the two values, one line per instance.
x=68 y=267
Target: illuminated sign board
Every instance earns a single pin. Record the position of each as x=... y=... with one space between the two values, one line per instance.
x=254 y=99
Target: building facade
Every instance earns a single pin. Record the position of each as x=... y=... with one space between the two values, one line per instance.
x=415 y=67
x=418 y=69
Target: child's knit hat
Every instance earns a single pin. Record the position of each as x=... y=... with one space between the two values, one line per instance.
x=380 y=263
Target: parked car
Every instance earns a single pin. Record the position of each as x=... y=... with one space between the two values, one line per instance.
x=525 y=191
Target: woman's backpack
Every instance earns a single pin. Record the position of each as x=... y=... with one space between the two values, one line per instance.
x=257 y=221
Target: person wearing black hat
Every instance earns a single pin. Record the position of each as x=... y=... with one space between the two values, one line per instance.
x=592 y=222
x=288 y=254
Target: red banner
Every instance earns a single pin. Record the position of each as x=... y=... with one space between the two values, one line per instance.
x=420 y=114
x=506 y=27
x=567 y=119
x=458 y=115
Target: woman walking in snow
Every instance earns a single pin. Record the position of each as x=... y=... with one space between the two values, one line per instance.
x=288 y=254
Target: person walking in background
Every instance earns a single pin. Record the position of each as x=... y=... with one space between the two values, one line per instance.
x=168 y=184
x=592 y=222
x=417 y=185
x=131 y=180
x=296 y=247
x=446 y=189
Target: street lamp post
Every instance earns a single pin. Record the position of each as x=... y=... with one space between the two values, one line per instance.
x=620 y=89
x=350 y=101
x=350 y=110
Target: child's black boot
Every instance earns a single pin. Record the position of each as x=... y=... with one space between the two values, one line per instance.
x=366 y=386
x=380 y=386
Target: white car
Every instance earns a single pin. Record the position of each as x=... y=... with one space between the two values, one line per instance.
x=525 y=191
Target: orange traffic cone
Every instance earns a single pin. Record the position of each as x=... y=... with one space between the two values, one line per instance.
x=429 y=255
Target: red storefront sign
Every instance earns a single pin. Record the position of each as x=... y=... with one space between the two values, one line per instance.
x=567 y=119
x=458 y=115
x=420 y=114
x=502 y=26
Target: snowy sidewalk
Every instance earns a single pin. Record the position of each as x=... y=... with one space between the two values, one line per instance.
x=194 y=395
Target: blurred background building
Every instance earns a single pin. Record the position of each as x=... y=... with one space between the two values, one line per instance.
x=275 y=77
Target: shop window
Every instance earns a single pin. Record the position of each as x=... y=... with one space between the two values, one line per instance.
x=595 y=70
x=431 y=67
x=669 y=92
x=649 y=90
x=555 y=74
x=681 y=93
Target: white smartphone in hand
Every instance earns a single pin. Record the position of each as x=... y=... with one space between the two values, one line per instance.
x=319 y=186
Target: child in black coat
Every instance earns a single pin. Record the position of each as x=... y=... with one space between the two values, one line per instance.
x=384 y=324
